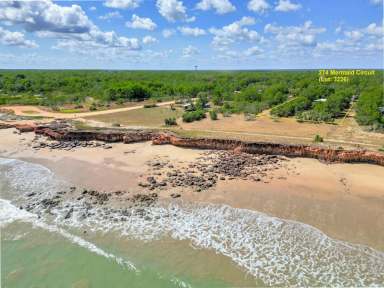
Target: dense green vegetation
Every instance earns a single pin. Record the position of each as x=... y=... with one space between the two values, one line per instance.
x=287 y=93
x=370 y=108
x=191 y=116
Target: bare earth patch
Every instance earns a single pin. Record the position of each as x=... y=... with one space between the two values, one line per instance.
x=144 y=117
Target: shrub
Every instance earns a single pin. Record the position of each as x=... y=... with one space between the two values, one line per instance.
x=291 y=108
x=249 y=117
x=227 y=113
x=193 y=116
x=213 y=115
x=314 y=116
x=116 y=125
x=318 y=139
x=93 y=107
x=170 y=121
x=150 y=105
x=381 y=149
x=120 y=101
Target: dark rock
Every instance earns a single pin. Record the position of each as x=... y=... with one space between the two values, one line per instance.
x=69 y=214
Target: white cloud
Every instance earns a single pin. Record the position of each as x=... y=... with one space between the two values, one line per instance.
x=295 y=35
x=376 y=2
x=234 y=32
x=190 y=19
x=190 y=51
x=69 y=24
x=286 y=6
x=374 y=29
x=122 y=4
x=259 y=6
x=354 y=35
x=149 y=40
x=98 y=40
x=357 y=42
x=110 y=15
x=221 y=6
x=93 y=8
x=242 y=55
x=253 y=51
x=141 y=23
x=15 y=39
x=172 y=10
x=192 y=31
x=45 y=16
x=168 y=32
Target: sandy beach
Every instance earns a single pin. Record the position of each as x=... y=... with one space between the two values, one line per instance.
x=345 y=201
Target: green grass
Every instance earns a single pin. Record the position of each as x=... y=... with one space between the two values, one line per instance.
x=30 y=112
x=146 y=117
x=69 y=111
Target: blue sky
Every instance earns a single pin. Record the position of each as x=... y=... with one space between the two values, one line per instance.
x=178 y=34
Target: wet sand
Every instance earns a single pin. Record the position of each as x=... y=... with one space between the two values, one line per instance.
x=345 y=201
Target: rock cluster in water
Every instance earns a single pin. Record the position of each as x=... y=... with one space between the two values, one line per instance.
x=84 y=201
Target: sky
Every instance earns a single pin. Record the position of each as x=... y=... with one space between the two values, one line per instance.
x=182 y=34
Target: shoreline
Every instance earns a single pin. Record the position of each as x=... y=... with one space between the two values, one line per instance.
x=65 y=132
x=345 y=201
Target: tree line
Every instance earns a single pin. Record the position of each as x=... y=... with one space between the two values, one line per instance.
x=287 y=93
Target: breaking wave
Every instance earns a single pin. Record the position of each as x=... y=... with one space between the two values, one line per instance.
x=10 y=213
x=276 y=251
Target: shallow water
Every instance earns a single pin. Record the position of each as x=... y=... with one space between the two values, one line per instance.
x=175 y=245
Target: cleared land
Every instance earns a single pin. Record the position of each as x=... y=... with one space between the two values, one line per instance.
x=144 y=117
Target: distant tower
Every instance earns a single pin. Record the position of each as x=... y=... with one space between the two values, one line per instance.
x=196 y=67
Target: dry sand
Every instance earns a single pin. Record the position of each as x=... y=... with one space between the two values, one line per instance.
x=346 y=201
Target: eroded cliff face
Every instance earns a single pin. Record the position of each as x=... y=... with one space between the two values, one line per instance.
x=307 y=151
x=64 y=132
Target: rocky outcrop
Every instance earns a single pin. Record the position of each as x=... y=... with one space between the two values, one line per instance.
x=64 y=132
x=5 y=126
x=110 y=136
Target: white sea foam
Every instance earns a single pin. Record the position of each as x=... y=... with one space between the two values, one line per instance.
x=24 y=177
x=10 y=213
x=276 y=251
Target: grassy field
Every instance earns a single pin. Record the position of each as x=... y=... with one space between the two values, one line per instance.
x=284 y=130
x=343 y=133
x=145 y=117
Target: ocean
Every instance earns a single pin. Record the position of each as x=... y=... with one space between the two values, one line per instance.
x=175 y=244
